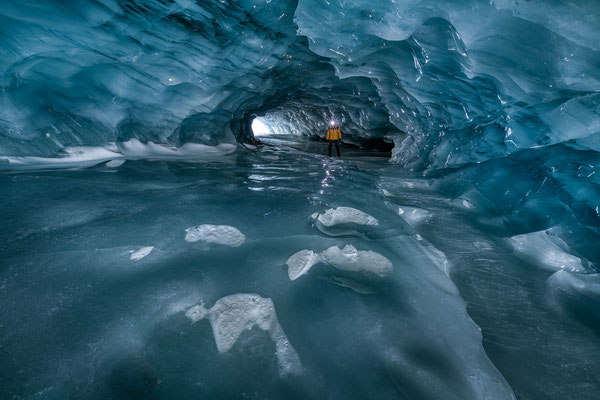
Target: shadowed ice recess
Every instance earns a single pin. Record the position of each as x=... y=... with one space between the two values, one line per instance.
x=151 y=249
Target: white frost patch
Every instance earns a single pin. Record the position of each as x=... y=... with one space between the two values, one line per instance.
x=141 y=253
x=115 y=154
x=351 y=259
x=413 y=215
x=547 y=250
x=72 y=157
x=301 y=262
x=134 y=149
x=221 y=234
x=232 y=315
x=196 y=313
x=345 y=215
x=347 y=258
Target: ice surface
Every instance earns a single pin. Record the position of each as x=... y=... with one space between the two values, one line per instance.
x=141 y=253
x=220 y=234
x=234 y=314
x=77 y=157
x=493 y=111
x=347 y=258
x=379 y=306
x=548 y=250
x=577 y=295
x=413 y=215
x=116 y=155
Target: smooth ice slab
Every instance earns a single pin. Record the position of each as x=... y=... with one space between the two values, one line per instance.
x=577 y=294
x=413 y=215
x=546 y=250
x=115 y=154
x=135 y=149
x=220 y=234
x=72 y=157
x=347 y=258
x=232 y=315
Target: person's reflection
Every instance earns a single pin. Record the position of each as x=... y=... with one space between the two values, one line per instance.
x=330 y=170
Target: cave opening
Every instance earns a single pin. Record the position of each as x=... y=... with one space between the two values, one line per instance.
x=261 y=128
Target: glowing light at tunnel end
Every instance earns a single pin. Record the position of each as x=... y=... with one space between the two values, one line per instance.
x=260 y=128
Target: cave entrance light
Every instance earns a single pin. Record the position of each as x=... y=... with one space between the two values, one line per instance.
x=261 y=128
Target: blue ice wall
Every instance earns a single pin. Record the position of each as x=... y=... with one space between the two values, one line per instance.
x=450 y=82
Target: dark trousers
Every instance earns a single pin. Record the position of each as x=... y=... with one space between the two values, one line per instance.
x=337 y=147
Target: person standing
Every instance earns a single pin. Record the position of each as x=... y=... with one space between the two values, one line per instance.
x=334 y=136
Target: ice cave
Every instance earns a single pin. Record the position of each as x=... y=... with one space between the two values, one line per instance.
x=173 y=226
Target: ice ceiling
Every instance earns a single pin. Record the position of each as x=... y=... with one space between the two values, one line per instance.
x=449 y=82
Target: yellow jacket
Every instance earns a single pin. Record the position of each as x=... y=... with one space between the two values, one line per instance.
x=334 y=133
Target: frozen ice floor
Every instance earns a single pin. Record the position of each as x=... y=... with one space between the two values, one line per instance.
x=102 y=296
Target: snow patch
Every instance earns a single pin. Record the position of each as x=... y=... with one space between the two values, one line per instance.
x=115 y=154
x=220 y=234
x=141 y=253
x=72 y=157
x=196 y=313
x=231 y=315
x=347 y=258
x=299 y=263
x=345 y=215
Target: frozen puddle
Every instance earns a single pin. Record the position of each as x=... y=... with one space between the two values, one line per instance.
x=342 y=220
x=232 y=315
x=220 y=234
x=546 y=250
x=141 y=253
x=347 y=259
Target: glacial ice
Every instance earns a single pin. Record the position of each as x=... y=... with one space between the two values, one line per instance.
x=489 y=113
x=547 y=250
x=578 y=295
x=116 y=154
x=413 y=215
